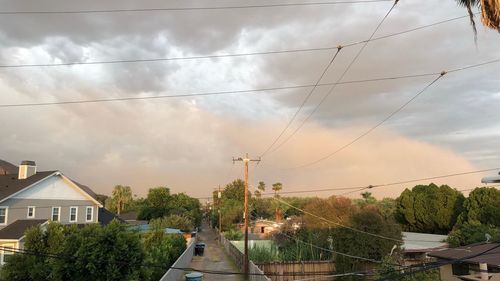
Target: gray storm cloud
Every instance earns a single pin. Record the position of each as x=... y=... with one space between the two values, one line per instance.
x=453 y=125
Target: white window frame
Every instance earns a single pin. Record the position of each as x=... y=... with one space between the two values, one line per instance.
x=76 y=214
x=28 y=214
x=91 y=214
x=2 y=253
x=6 y=214
x=58 y=214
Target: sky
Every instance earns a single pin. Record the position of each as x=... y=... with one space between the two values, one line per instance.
x=188 y=143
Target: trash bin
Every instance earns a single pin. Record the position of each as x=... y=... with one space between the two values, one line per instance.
x=194 y=276
x=199 y=248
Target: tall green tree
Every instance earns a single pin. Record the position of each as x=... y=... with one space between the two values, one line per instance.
x=121 y=195
x=429 y=208
x=482 y=207
x=261 y=188
x=277 y=187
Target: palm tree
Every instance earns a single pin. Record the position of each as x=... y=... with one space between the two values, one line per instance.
x=277 y=187
x=121 y=195
x=490 y=12
x=260 y=189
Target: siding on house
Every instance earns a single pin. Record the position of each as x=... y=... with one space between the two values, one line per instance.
x=18 y=209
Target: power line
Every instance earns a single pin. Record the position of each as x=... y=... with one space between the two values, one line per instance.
x=360 y=51
x=367 y=132
x=216 y=93
x=217 y=56
x=424 y=179
x=361 y=188
x=329 y=250
x=338 y=224
x=108 y=11
x=325 y=70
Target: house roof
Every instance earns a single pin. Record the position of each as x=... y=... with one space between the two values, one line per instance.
x=10 y=184
x=423 y=242
x=488 y=253
x=7 y=168
x=105 y=216
x=129 y=216
x=16 y=229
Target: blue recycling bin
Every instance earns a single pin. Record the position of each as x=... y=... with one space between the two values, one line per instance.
x=194 y=276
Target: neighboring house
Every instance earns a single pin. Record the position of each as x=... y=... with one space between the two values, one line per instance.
x=263 y=227
x=473 y=262
x=417 y=246
x=131 y=218
x=29 y=198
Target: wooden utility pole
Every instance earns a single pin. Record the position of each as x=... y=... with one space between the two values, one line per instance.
x=219 y=203
x=246 y=160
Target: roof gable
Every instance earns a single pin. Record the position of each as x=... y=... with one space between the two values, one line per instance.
x=55 y=187
x=10 y=184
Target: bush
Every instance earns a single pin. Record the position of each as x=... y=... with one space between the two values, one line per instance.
x=469 y=233
x=233 y=235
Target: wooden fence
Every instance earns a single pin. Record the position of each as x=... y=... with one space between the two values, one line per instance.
x=256 y=274
x=298 y=270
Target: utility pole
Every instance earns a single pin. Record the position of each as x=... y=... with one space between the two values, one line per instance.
x=219 y=203
x=246 y=160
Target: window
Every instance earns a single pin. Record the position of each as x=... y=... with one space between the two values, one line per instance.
x=73 y=214
x=6 y=254
x=3 y=215
x=56 y=213
x=89 y=215
x=31 y=212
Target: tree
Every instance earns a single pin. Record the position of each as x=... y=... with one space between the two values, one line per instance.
x=234 y=191
x=121 y=196
x=261 y=188
x=68 y=253
x=490 y=12
x=158 y=197
x=173 y=221
x=277 y=187
x=482 y=207
x=368 y=220
x=469 y=233
x=429 y=208
x=334 y=209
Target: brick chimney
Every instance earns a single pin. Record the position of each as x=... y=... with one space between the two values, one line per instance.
x=26 y=169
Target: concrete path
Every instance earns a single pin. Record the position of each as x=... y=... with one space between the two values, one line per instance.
x=214 y=258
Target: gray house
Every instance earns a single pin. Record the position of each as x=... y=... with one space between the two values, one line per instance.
x=29 y=198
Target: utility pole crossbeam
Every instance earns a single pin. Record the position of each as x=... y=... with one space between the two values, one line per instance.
x=246 y=160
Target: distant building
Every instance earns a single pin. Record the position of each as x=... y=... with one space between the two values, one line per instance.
x=417 y=246
x=476 y=262
x=29 y=197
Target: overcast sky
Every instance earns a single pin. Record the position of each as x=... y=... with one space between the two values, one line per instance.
x=187 y=143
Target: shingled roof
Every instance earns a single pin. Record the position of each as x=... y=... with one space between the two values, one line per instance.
x=7 y=168
x=16 y=229
x=10 y=184
x=488 y=253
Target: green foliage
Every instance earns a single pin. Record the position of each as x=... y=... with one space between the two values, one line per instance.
x=469 y=233
x=263 y=254
x=234 y=191
x=173 y=221
x=429 y=208
x=160 y=203
x=336 y=209
x=233 y=235
x=162 y=248
x=120 y=198
x=482 y=206
x=352 y=242
x=90 y=253
x=388 y=270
